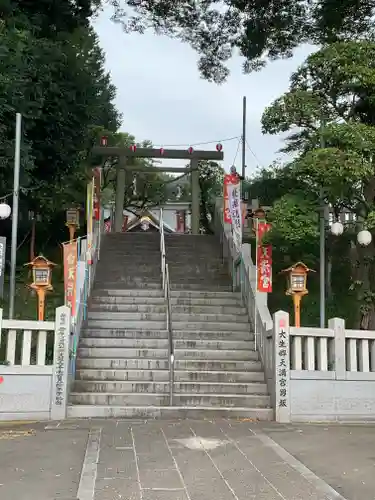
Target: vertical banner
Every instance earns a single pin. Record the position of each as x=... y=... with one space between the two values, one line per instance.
x=3 y=246
x=70 y=255
x=229 y=179
x=234 y=198
x=180 y=221
x=97 y=179
x=264 y=260
x=89 y=217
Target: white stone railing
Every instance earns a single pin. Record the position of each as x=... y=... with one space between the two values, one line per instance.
x=34 y=360
x=326 y=350
x=323 y=374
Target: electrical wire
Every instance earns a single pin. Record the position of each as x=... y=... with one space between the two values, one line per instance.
x=196 y=143
x=252 y=152
x=238 y=148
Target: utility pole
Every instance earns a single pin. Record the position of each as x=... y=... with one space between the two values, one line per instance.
x=16 y=190
x=322 y=243
x=243 y=136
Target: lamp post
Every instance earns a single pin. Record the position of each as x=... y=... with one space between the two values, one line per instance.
x=72 y=222
x=42 y=278
x=297 y=287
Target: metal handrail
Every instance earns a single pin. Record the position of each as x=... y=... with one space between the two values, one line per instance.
x=167 y=297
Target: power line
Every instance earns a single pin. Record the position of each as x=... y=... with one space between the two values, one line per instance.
x=238 y=148
x=197 y=143
x=255 y=156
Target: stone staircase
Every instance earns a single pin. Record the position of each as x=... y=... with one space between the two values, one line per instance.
x=123 y=367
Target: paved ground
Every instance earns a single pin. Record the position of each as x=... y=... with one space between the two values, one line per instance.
x=186 y=460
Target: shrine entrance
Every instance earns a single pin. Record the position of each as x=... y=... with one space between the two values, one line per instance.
x=125 y=154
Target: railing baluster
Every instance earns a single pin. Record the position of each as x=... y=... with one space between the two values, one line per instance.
x=11 y=346
x=26 y=348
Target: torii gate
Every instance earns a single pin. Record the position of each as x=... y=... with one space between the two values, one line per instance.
x=123 y=153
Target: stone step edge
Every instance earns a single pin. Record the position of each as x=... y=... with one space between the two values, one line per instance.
x=102 y=411
x=112 y=381
x=180 y=394
x=133 y=370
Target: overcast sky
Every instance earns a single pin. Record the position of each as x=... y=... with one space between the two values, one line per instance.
x=163 y=99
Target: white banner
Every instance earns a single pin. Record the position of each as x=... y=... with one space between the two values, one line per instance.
x=234 y=198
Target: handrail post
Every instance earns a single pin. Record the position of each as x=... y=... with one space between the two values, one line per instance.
x=166 y=292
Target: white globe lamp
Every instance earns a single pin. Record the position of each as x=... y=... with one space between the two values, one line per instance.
x=364 y=238
x=5 y=210
x=337 y=228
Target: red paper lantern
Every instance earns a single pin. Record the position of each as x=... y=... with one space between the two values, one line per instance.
x=162 y=151
x=133 y=148
x=104 y=141
x=190 y=150
x=219 y=147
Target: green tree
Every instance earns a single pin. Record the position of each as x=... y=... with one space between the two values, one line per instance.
x=332 y=94
x=259 y=30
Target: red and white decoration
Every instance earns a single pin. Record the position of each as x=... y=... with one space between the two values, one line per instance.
x=264 y=260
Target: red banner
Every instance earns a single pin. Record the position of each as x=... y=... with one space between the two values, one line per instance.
x=265 y=268
x=264 y=260
x=70 y=274
x=97 y=185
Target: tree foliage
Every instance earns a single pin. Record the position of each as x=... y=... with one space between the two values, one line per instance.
x=328 y=112
x=52 y=71
x=259 y=30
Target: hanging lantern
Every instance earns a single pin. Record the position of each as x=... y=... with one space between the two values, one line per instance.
x=219 y=147
x=104 y=141
x=133 y=148
x=161 y=151
x=190 y=150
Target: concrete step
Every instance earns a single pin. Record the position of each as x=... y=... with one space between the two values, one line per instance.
x=232 y=302
x=120 y=292
x=130 y=285
x=160 y=314
x=189 y=307
x=116 y=399
x=216 y=354
x=201 y=287
x=138 y=308
x=119 y=387
x=219 y=376
x=124 y=301
x=121 y=374
x=125 y=316
x=212 y=335
x=223 y=400
x=122 y=343
x=209 y=326
x=207 y=365
x=169 y=412
x=121 y=352
x=106 y=333
x=208 y=310
x=205 y=294
x=194 y=387
x=103 y=363
x=213 y=344
x=125 y=324
x=151 y=399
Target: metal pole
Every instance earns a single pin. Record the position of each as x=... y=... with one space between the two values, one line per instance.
x=322 y=246
x=243 y=136
x=16 y=189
